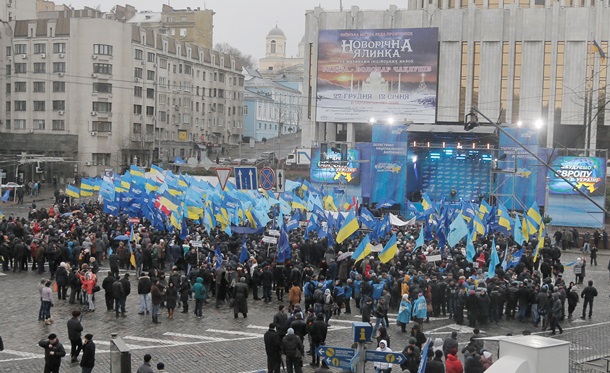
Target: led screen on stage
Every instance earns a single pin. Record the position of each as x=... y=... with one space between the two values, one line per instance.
x=330 y=167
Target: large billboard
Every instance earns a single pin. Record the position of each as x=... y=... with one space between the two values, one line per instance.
x=587 y=173
x=565 y=205
x=377 y=73
x=333 y=167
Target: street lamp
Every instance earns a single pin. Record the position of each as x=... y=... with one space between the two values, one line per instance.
x=135 y=160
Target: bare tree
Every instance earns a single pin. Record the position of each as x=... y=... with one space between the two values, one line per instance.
x=246 y=59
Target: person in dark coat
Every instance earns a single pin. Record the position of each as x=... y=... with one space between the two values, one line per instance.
x=88 y=361
x=171 y=298
x=240 y=296
x=280 y=319
x=74 y=335
x=435 y=362
x=588 y=293
x=317 y=331
x=292 y=347
x=126 y=286
x=273 y=347
x=118 y=293
x=267 y=284
x=61 y=277
x=107 y=286
x=53 y=352
x=113 y=261
x=184 y=290
x=299 y=326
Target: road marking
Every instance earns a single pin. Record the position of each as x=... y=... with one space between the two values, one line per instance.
x=257 y=327
x=194 y=336
x=142 y=339
x=453 y=327
x=25 y=355
x=233 y=332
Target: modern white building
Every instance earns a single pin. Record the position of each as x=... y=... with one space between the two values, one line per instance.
x=104 y=94
x=516 y=61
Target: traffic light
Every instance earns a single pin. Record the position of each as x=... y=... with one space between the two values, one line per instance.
x=470 y=121
x=40 y=167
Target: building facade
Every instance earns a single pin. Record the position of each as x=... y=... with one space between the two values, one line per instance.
x=276 y=63
x=188 y=25
x=272 y=108
x=516 y=61
x=104 y=94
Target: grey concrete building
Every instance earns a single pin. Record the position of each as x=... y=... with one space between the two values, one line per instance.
x=524 y=61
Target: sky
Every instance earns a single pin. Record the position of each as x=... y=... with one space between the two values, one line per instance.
x=245 y=23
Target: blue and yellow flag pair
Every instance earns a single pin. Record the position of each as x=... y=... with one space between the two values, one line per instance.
x=72 y=191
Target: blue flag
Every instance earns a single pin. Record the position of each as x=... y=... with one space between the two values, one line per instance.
x=494 y=261
x=218 y=254
x=420 y=240
x=367 y=218
x=243 y=257
x=424 y=359
x=6 y=195
x=470 y=251
x=457 y=230
x=283 y=247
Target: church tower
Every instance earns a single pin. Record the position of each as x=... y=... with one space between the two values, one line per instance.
x=276 y=43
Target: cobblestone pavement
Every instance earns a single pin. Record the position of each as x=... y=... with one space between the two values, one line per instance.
x=215 y=343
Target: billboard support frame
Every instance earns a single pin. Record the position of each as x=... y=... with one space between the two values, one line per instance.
x=533 y=154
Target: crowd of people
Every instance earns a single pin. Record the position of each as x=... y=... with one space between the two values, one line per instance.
x=319 y=281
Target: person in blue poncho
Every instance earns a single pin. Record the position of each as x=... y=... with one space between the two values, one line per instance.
x=404 y=313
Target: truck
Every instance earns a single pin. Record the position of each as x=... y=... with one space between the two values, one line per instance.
x=299 y=157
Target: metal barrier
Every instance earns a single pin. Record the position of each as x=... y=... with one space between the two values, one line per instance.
x=589 y=343
x=576 y=367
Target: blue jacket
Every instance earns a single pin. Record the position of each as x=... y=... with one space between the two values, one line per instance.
x=357 y=284
x=348 y=291
x=378 y=290
x=420 y=309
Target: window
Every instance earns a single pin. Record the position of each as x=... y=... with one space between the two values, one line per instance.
x=8 y=106
x=150 y=111
x=163 y=63
x=102 y=87
x=137 y=72
x=59 y=105
x=39 y=86
x=150 y=74
x=102 y=107
x=40 y=67
x=150 y=129
x=20 y=68
x=101 y=126
x=8 y=88
x=8 y=124
x=8 y=69
x=273 y=46
x=20 y=86
x=40 y=48
x=101 y=159
x=221 y=77
x=137 y=91
x=21 y=49
x=39 y=124
x=104 y=49
x=137 y=128
x=8 y=51
x=102 y=68
x=188 y=70
x=39 y=105
x=151 y=57
x=58 y=125
x=183 y=32
x=59 y=67
x=59 y=47
x=150 y=93
x=162 y=81
x=20 y=106
x=137 y=109
x=19 y=124
x=59 y=86
x=162 y=115
x=139 y=54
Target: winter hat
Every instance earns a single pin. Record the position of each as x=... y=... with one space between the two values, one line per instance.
x=384 y=342
x=89 y=336
x=52 y=336
x=290 y=331
x=487 y=354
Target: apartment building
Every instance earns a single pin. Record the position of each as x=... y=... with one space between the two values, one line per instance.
x=105 y=94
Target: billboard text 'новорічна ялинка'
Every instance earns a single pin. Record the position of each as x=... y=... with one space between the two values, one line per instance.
x=377 y=73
